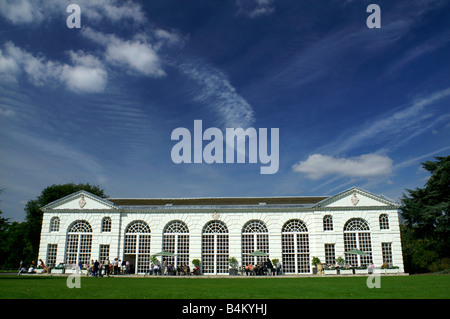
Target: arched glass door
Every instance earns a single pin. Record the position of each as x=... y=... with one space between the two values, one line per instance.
x=215 y=248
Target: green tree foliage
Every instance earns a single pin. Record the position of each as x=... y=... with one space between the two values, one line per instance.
x=425 y=234
x=21 y=240
x=4 y=226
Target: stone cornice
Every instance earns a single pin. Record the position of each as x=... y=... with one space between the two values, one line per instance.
x=222 y=210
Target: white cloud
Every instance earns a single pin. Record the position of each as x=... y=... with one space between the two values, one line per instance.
x=8 y=67
x=138 y=54
x=117 y=10
x=80 y=78
x=36 y=11
x=22 y=11
x=87 y=60
x=254 y=8
x=86 y=74
x=20 y=61
x=364 y=166
x=170 y=38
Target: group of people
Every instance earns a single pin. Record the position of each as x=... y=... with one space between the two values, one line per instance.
x=23 y=270
x=107 y=268
x=171 y=270
x=119 y=267
x=32 y=268
x=262 y=268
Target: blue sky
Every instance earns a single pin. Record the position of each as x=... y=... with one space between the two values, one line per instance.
x=354 y=106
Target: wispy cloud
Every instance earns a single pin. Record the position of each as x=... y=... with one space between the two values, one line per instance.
x=337 y=54
x=428 y=46
x=404 y=124
x=416 y=160
x=216 y=92
x=68 y=154
x=141 y=55
x=396 y=128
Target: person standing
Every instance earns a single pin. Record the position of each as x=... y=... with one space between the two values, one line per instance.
x=127 y=263
x=107 y=267
x=119 y=267
x=21 y=268
x=80 y=266
x=269 y=266
x=95 y=268
x=278 y=268
x=100 y=269
x=115 y=266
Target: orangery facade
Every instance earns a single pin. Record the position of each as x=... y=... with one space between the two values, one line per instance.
x=82 y=227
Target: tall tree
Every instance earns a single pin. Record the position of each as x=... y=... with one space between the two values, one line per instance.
x=4 y=227
x=426 y=215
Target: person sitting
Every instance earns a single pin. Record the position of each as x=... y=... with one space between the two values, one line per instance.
x=31 y=270
x=156 y=269
x=196 y=270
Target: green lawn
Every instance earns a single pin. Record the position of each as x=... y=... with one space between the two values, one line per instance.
x=419 y=287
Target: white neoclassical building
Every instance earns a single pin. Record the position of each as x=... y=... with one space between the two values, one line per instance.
x=81 y=227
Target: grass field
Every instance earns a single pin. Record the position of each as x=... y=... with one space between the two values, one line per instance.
x=392 y=287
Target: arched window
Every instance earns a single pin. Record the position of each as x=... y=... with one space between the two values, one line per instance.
x=137 y=246
x=176 y=241
x=327 y=222
x=384 y=221
x=255 y=236
x=357 y=236
x=79 y=243
x=295 y=247
x=106 y=225
x=54 y=224
x=215 y=248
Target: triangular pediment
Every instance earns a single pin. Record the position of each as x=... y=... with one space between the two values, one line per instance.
x=81 y=200
x=356 y=197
